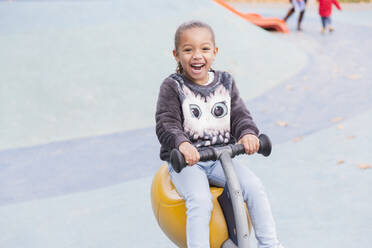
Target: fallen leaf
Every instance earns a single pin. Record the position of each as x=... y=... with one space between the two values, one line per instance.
x=354 y=76
x=364 y=166
x=351 y=137
x=289 y=87
x=297 y=139
x=307 y=88
x=282 y=123
x=340 y=162
x=337 y=119
x=305 y=77
x=340 y=126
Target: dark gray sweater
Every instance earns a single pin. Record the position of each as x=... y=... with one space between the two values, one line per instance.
x=203 y=115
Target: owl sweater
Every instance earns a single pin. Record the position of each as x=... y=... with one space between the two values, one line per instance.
x=203 y=115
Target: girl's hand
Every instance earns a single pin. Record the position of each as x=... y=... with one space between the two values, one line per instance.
x=251 y=143
x=190 y=153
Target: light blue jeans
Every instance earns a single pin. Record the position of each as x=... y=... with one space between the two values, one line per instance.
x=192 y=183
x=326 y=21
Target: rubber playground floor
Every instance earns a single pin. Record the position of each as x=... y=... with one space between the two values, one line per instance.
x=78 y=151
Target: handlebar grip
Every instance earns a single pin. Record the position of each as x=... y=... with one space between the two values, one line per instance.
x=265 y=145
x=237 y=149
x=208 y=154
x=177 y=160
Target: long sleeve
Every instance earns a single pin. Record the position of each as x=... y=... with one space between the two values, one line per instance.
x=335 y=2
x=241 y=121
x=169 y=129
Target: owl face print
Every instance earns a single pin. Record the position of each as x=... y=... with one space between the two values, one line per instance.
x=207 y=119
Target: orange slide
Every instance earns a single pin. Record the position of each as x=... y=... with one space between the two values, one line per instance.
x=271 y=23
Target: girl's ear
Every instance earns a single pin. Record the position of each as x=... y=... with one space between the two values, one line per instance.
x=215 y=51
x=175 y=55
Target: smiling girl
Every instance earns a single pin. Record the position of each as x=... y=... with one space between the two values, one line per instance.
x=199 y=107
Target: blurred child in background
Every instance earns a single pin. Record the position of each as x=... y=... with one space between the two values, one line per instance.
x=325 y=11
x=297 y=6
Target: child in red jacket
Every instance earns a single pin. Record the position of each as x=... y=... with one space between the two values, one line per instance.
x=325 y=10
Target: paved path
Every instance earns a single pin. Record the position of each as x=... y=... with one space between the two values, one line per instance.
x=78 y=66
x=92 y=191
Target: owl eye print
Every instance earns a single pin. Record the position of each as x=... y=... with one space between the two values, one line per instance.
x=195 y=111
x=219 y=110
x=207 y=119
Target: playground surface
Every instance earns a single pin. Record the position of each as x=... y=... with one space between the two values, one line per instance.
x=78 y=87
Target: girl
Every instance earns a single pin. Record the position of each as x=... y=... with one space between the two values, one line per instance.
x=200 y=107
x=325 y=10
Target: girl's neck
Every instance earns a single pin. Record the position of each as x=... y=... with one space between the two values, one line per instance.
x=208 y=80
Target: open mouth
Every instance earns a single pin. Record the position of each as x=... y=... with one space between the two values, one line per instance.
x=197 y=67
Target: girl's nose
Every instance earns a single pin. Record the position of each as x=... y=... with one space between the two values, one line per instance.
x=197 y=55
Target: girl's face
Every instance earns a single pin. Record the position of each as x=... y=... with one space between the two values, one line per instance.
x=196 y=52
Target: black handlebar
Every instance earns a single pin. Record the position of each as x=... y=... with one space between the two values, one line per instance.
x=178 y=162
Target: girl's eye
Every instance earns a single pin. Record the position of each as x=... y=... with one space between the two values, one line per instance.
x=187 y=49
x=219 y=110
x=195 y=111
x=206 y=48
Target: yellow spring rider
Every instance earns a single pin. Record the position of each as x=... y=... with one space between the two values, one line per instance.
x=230 y=224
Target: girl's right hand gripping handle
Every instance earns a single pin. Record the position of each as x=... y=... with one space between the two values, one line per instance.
x=178 y=162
